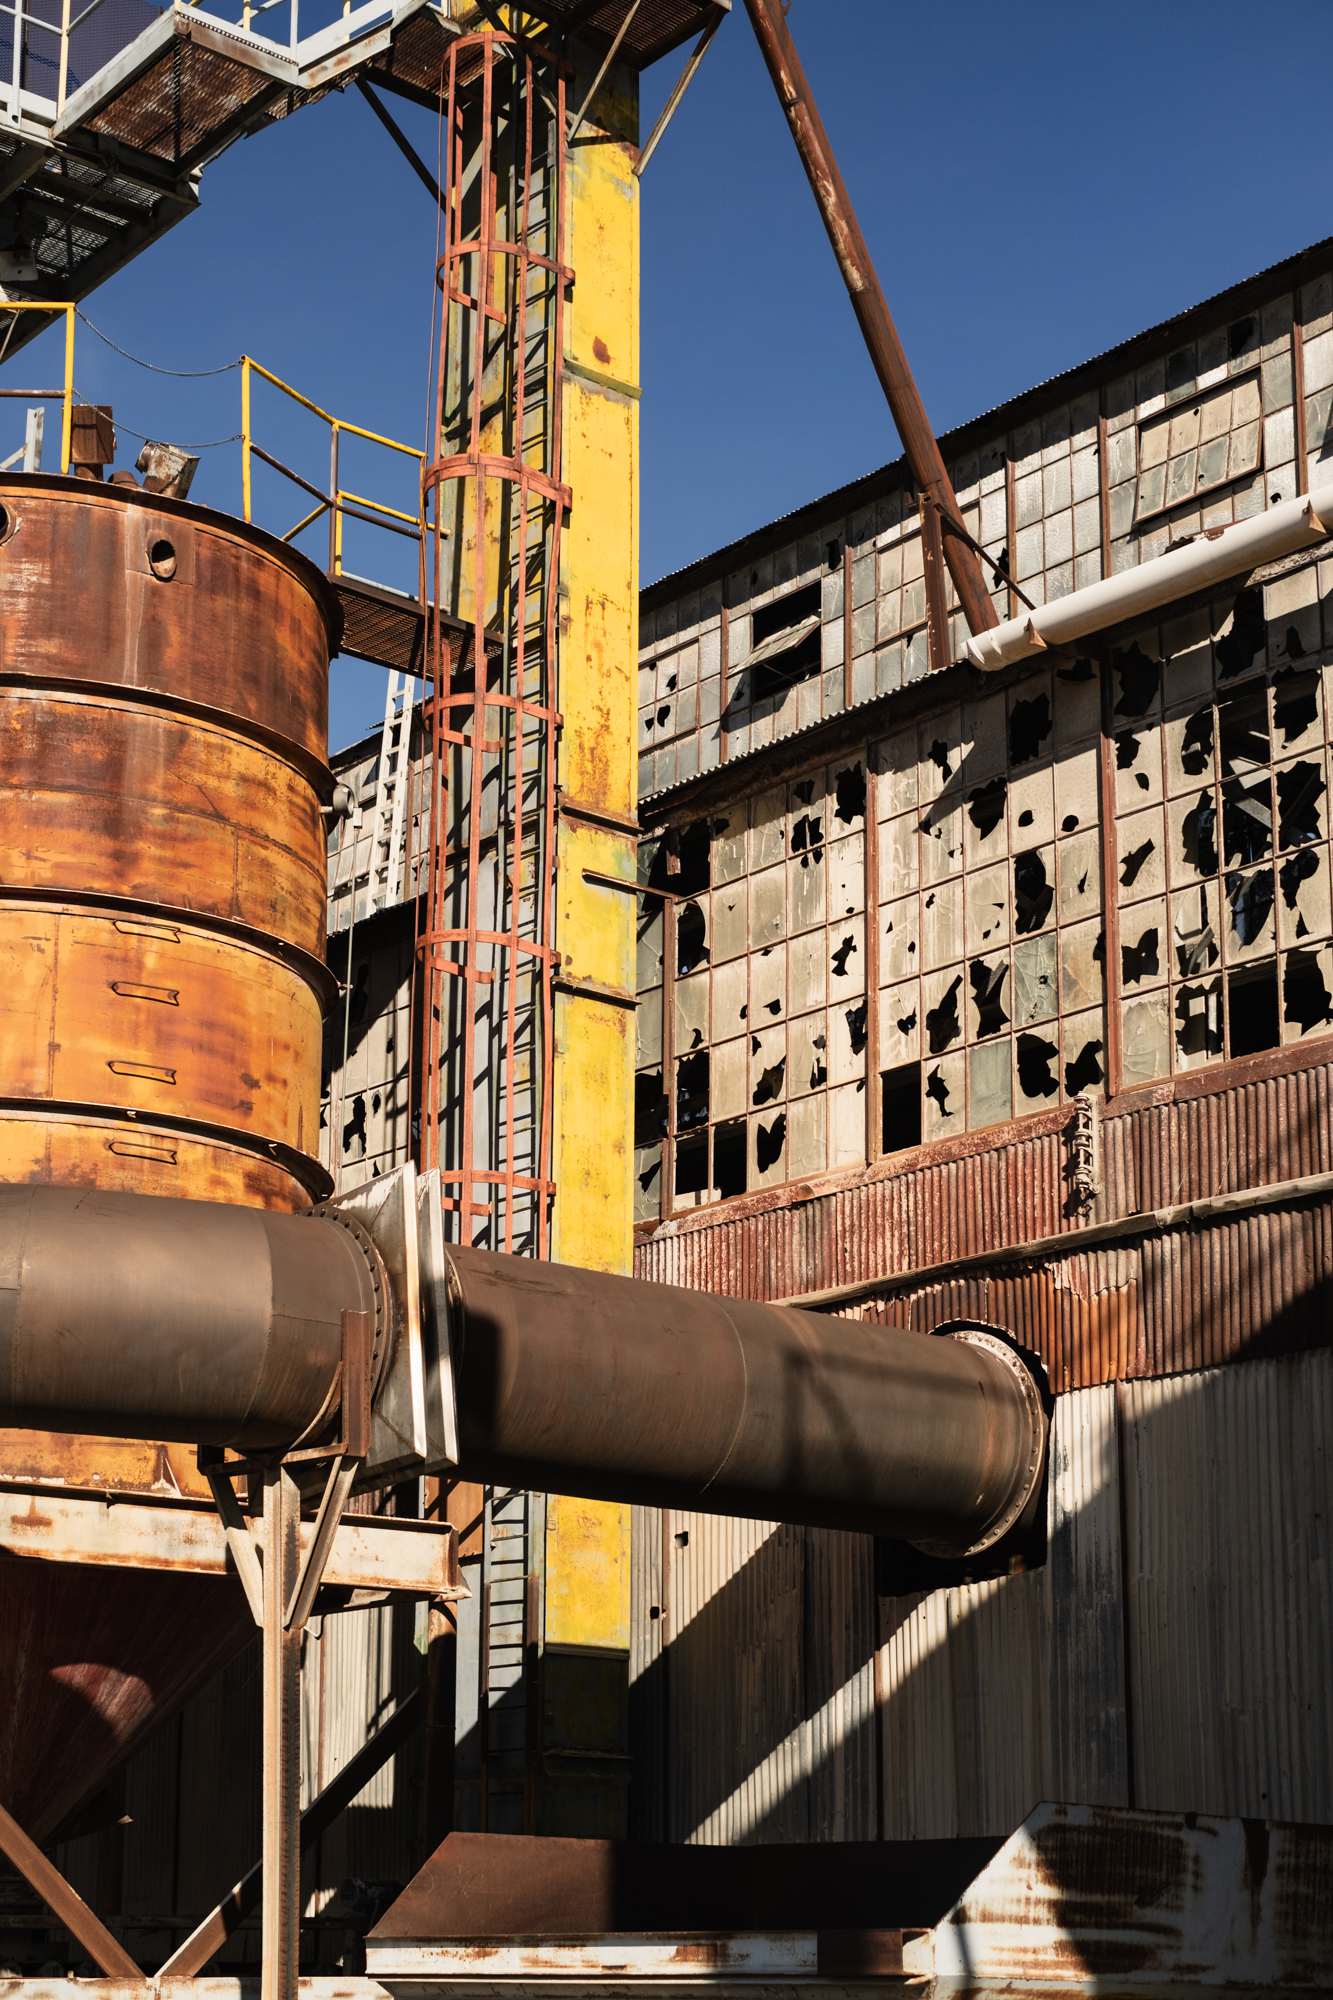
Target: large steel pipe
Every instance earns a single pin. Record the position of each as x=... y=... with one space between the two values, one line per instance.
x=212 y=1324
x=139 y=1316
x=575 y=1382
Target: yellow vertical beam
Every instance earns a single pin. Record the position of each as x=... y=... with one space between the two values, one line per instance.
x=587 y=1595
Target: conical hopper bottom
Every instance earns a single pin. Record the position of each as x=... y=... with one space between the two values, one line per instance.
x=90 y=1660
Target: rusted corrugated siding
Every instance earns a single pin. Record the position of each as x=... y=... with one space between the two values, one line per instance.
x=647 y=1690
x=768 y=1675
x=997 y=1694
x=1251 y=1285
x=1228 y=1499
x=1171 y=1653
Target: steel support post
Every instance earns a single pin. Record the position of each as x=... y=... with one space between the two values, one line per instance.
x=280 y=1926
x=64 y=1901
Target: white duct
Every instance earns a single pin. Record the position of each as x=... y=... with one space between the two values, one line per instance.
x=1211 y=558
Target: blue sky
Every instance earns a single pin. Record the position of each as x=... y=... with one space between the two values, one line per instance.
x=1036 y=182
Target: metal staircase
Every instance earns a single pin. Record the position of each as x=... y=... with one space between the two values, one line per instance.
x=110 y=109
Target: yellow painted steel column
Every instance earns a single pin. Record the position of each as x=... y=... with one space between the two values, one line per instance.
x=587 y=1556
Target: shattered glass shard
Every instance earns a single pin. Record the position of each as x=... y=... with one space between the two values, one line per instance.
x=1250 y=902
x=943 y=1026
x=1300 y=787
x=1306 y=1001
x=988 y=978
x=1036 y=1066
x=1247 y=819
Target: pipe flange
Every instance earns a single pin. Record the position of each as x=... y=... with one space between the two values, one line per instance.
x=385 y=1307
x=996 y=1342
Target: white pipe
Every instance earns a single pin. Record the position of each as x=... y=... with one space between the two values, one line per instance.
x=1213 y=556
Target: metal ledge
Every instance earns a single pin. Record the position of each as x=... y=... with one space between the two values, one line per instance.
x=370 y=1553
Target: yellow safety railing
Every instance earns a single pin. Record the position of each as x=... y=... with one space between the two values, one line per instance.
x=64 y=396
x=339 y=502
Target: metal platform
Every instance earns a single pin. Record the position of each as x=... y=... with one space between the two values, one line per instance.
x=386 y=627
x=102 y=141
x=1078 y=1899
x=110 y=110
x=656 y=28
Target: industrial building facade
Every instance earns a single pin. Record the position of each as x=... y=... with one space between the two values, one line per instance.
x=951 y=984
x=935 y=969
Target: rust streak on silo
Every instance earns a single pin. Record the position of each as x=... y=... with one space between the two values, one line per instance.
x=163 y=724
x=163 y=764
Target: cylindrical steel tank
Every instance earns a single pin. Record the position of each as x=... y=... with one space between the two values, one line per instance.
x=163 y=761
x=163 y=725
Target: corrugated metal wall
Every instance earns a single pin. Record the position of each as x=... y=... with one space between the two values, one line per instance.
x=1172 y=1653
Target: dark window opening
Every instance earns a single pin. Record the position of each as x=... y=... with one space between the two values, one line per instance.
x=689 y=858
x=1034 y=893
x=807 y=837
x=943 y=1025
x=1137 y=681
x=1198 y=833
x=691 y=944
x=985 y=806
x=1029 y=726
x=833 y=555
x=988 y=977
x=1036 y=1066
x=1250 y=903
x=1247 y=820
x=771 y=678
x=850 y=794
x=1140 y=961
x=1306 y=1001
x=856 y=1028
x=1196 y=744
x=1300 y=787
x=729 y=1160
x=900 y=1108
x=769 y=1141
x=1238 y=649
x=1085 y=1070
x=692 y=1087
x=650 y=1108
x=787 y=612
x=692 y=1165
x=1252 y=1015
x=1295 y=699
x=938 y=1091
x=769 y=1087
x=1242 y=732
x=1198 y=1022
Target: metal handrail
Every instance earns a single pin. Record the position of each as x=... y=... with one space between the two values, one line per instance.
x=243 y=14
x=66 y=394
x=340 y=503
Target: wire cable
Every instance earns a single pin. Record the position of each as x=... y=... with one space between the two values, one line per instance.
x=140 y=437
x=180 y=374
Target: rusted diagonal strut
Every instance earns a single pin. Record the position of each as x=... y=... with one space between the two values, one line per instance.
x=858 y=269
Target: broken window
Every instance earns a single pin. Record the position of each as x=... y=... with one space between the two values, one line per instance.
x=692 y=1166
x=692 y=1075
x=730 y=1154
x=784 y=650
x=1252 y=1011
x=691 y=938
x=1246 y=840
x=900 y=1108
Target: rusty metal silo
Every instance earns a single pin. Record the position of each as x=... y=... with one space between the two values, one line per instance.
x=163 y=747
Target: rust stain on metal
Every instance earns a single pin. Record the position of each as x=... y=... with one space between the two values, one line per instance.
x=163 y=760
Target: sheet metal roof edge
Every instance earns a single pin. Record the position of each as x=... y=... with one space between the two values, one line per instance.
x=869 y=485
